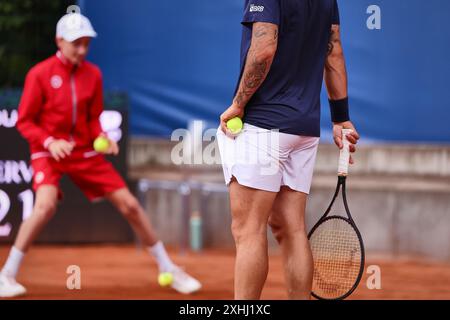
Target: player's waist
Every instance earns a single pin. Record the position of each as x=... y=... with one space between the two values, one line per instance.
x=284 y=119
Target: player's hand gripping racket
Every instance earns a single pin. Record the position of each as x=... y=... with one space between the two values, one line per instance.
x=336 y=244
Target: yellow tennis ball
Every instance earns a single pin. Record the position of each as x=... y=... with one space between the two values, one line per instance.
x=235 y=125
x=101 y=144
x=165 y=279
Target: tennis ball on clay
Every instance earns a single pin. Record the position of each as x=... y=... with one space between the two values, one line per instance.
x=235 y=125
x=165 y=279
x=101 y=144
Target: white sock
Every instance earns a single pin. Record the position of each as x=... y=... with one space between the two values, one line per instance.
x=161 y=256
x=12 y=265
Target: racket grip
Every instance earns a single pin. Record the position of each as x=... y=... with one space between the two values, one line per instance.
x=344 y=156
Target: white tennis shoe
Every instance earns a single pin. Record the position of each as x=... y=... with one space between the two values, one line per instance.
x=183 y=282
x=10 y=288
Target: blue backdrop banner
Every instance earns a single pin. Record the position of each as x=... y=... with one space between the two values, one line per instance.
x=179 y=61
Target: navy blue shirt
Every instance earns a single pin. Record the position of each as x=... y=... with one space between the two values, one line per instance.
x=289 y=98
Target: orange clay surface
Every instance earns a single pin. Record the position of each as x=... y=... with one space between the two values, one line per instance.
x=124 y=272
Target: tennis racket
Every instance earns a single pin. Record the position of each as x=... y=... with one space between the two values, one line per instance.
x=336 y=244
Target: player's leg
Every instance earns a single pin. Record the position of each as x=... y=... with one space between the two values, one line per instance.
x=97 y=178
x=133 y=212
x=130 y=208
x=43 y=210
x=287 y=221
x=250 y=209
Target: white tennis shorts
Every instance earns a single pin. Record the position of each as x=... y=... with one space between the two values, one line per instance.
x=267 y=159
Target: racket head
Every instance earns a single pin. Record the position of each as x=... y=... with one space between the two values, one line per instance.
x=338 y=254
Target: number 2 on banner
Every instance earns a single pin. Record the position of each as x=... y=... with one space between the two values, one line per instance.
x=26 y=197
x=5 y=204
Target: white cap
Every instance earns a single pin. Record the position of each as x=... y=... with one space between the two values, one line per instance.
x=73 y=26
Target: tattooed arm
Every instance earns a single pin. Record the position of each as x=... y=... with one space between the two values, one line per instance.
x=335 y=71
x=259 y=60
x=335 y=75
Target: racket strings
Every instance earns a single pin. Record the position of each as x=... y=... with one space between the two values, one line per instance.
x=337 y=254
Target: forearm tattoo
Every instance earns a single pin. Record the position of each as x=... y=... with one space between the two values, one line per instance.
x=335 y=71
x=257 y=66
x=335 y=39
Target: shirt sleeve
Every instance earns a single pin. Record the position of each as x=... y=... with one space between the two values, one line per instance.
x=336 y=17
x=262 y=11
x=29 y=108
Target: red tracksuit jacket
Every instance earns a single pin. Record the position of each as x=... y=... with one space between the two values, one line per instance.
x=61 y=101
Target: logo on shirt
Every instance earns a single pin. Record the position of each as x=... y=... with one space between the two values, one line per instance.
x=39 y=177
x=56 y=82
x=254 y=8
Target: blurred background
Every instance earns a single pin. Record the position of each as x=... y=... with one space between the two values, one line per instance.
x=171 y=65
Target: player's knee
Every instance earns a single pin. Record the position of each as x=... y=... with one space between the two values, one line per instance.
x=277 y=230
x=243 y=232
x=45 y=210
x=130 y=208
x=236 y=229
x=282 y=231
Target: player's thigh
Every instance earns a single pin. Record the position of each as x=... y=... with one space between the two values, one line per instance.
x=250 y=208
x=288 y=211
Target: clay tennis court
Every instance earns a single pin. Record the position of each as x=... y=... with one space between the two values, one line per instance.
x=124 y=272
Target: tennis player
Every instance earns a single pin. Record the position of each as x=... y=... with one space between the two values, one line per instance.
x=288 y=47
x=59 y=117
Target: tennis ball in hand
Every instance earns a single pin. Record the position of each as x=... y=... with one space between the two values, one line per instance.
x=101 y=144
x=165 y=279
x=235 y=125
